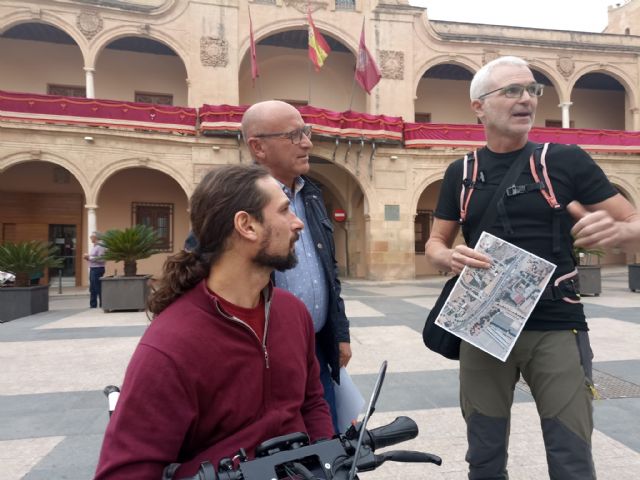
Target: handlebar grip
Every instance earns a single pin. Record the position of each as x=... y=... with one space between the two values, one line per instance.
x=400 y=430
x=411 y=457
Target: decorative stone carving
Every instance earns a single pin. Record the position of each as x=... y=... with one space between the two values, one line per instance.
x=89 y=23
x=214 y=52
x=489 y=55
x=391 y=64
x=301 y=5
x=565 y=66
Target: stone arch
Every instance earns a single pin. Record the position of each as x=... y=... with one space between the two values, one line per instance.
x=325 y=153
x=47 y=18
x=104 y=38
x=613 y=72
x=551 y=74
x=422 y=186
x=136 y=162
x=273 y=28
x=41 y=156
x=627 y=189
x=458 y=60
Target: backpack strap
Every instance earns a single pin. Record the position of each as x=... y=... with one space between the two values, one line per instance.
x=539 y=169
x=469 y=175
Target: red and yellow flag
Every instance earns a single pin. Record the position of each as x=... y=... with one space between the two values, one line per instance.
x=318 y=47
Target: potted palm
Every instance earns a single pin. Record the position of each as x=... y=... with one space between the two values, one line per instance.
x=589 y=275
x=130 y=291
x=25 y=260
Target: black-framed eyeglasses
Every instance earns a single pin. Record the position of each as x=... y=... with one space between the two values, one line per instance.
x=294 y=135
x=515 y=91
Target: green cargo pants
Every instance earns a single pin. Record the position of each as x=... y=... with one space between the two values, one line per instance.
x=557 y=367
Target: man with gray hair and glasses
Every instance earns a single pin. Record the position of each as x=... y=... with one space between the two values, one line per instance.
x=552 y=353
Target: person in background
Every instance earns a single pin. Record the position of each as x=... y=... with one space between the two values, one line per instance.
x=96 y=270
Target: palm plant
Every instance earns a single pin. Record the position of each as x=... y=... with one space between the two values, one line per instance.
x=24 y=259
x=129 y=245
x=587 y=254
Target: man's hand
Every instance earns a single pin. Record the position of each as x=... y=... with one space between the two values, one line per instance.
x=345 y=353
x=461 y=255
x=600 y=229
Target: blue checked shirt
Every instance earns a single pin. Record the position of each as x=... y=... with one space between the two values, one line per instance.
x=307 y=280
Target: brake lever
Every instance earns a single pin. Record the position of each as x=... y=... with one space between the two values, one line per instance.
x=407 y=456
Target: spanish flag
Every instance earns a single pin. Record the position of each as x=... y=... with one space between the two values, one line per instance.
x=318 y=47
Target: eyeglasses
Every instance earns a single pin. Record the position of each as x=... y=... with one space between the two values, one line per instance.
x=515 y=91
x=294 y=135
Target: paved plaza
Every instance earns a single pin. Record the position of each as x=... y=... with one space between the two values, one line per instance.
x=53 y=367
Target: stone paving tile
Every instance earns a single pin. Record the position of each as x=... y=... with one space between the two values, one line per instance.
x=17 y=457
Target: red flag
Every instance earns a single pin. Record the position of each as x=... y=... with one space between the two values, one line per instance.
x=318 y=47
x=252 y=46
x=367 y=72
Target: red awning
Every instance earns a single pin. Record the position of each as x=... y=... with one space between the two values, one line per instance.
x=427 y=135
x=28 y=107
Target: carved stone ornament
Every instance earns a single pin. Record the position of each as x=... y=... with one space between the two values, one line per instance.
x=89 y=23
x=565 y=66
x=214 y=52
x=301 y=5
x=489 y=56
x=391 y=64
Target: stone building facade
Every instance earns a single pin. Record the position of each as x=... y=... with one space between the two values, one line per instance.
x=61 y=180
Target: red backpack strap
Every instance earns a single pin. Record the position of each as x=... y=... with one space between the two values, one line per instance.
x=468 y=182
x=540 y=163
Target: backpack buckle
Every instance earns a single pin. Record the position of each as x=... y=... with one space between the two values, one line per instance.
x=515 y=190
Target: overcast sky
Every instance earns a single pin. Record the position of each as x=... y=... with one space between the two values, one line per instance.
x=578 y=15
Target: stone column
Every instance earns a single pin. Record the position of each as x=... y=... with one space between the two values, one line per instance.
x=566 y=119
x=635 y=119
x=91 y=221
x=88 y=73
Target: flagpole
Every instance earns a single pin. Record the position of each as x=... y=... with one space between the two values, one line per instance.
x=353 y=84
x=309 y=83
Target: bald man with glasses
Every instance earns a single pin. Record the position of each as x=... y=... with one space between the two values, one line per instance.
x=278 y=139
x=552 y=353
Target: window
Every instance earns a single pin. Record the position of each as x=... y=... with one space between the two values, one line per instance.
x=422 y=228
x=345 y=4
x=155 y=98
x=296 y=103
x=158 y=216
x=66 y=90
x=558 y=123
x=423 y=117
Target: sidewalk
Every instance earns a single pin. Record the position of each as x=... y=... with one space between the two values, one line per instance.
x=55 y=365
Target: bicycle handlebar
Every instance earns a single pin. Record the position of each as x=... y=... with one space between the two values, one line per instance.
x=332 y=458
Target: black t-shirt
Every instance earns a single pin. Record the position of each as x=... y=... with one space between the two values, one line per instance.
x=574 y=176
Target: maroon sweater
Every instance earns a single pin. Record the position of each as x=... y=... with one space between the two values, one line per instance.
x=200 y=385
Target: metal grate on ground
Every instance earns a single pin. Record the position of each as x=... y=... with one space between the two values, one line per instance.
x=607 y=386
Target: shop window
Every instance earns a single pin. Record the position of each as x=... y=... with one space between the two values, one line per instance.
x=158 y=216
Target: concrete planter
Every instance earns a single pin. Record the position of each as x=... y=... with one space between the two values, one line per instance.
x=125 y=293
x=634 y=277
x=590 y=279
x=16 y=302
